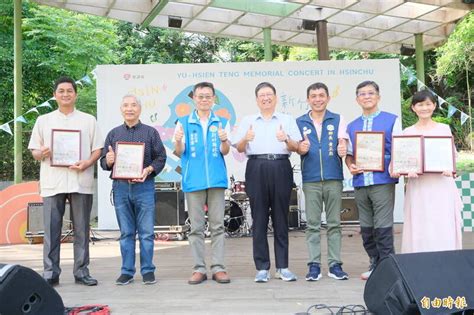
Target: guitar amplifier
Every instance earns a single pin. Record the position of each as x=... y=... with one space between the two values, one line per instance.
x=35 y=219
x=169 y=207
x=349 y=211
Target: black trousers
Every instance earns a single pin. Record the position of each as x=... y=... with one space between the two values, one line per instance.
x=268 y=184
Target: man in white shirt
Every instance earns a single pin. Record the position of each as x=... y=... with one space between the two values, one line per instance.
x=74 y=183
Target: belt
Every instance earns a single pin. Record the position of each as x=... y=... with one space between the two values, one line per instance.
x=268 y=156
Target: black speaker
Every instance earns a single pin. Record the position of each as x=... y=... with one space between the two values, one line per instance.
x=175 y=21
x=426 y=283
x=294 y=217
x=407 y=50
x=309 y=25
x=23 y=291
x=169 y=207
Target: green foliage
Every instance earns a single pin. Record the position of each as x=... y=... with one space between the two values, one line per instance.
x=55 y=42
x=155 y=45
x=457 y=54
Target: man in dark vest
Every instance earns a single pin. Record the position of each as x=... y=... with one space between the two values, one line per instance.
x=322 y=150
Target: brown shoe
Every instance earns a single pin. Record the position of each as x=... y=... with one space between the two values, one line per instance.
x=221 y=277
x=197 y=278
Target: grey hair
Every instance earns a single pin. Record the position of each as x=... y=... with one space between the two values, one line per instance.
x=139 y=102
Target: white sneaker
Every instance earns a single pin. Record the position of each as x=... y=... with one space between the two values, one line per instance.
x=285 y=274
x=262 y=276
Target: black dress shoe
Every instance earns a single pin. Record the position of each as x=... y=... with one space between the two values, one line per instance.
x=52 y=281
x=86 y=280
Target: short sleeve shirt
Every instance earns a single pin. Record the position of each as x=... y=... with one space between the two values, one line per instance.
x=56 y=180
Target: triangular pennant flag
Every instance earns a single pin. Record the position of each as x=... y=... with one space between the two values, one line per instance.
x=86 y=79
x=420 y=85
x=411 y=78
x=52 y=99
x=451 y=110
x=6 y=127
x=464 y=117
x=441 y=101
x=403 y=68
x=32 y=110
x=78 y=82
x=21 y=119
x=94 y=74
x=45 y=104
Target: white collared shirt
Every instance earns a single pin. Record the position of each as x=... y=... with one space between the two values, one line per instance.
x=266 y=141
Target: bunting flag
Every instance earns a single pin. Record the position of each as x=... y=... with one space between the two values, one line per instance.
x=451 y=110
x=441 y=101
x=94 y=74
x=6 y=127
x=86 y=79
x=45 y=104
x=21 y=119
x=420 y=85
x=464 y=117
x=411 y=78
x=32 y=110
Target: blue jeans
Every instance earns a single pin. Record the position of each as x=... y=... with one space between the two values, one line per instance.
x=135 y=210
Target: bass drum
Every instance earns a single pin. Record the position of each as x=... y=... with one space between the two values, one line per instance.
x=233 y=217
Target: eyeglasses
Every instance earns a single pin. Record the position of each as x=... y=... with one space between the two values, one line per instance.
x=204 y=97
x=268 y=95
x=364 y=94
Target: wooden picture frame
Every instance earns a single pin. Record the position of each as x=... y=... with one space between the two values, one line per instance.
x=407 y=154
x=128 y=160
x=370 y=150
x=439 y=154
x=65 y=147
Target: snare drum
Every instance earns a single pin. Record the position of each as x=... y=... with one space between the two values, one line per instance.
x=238 y=191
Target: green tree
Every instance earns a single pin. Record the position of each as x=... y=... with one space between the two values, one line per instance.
x=55 y=42
x=455 y=63
x=155 y=45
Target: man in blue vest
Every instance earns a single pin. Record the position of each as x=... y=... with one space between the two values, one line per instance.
x=321 y=151
x=374 y=191
x=201 y=140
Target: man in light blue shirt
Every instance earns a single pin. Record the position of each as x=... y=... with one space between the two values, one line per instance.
x=268 y=138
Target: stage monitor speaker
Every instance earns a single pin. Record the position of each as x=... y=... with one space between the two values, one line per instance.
x=349 y=212
x=426 y=283
x=294 y=197
x=294 y=217
x=23 y=291
x=35 y=218
x=169 y=208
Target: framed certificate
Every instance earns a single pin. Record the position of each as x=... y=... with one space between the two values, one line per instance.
x=369 y=150
x=128 y=160
x=438 y=154
x=407 y=154
x=65 y=147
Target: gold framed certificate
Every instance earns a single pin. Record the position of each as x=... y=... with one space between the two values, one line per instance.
x=65 y=147
x=407 y=154
x=128 y=160
x=439 y=154
x=369 y=150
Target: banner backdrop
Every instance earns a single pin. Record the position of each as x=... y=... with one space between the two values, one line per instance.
x=164 y=90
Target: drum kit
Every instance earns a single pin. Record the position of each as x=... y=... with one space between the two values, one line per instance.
x=237 y=210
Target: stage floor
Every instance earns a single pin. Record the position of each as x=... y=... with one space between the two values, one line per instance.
x=172 y=294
